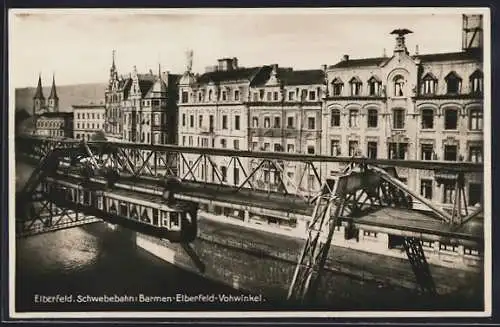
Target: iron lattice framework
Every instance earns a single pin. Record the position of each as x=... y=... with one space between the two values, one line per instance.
x=361 y=186
x=260 y=171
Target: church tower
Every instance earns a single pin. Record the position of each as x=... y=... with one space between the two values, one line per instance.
x=38 y=99
x=53 y=104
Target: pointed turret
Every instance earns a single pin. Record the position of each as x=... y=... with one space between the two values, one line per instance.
x=39 y=90
x=53 y=91
x=53 y=105
x=38 y=99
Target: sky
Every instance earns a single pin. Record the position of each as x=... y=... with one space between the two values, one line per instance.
x=77 y=45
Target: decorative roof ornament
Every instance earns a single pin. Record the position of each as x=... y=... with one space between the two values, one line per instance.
x=189 y=60
x=400 y=39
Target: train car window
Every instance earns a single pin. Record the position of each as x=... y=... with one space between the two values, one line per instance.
x=123 y=209
x=164 y=218
x=86 y=197
x=145 y=216
x=133 y=212
x=112 y=207
x=174 y=219
x=155 y=216
x=99 y=202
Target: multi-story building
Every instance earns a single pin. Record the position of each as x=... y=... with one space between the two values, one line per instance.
x=48 y=120
x=263 y=108
x=213 y=113
x=88 y=120
x=142 y=107
x=285 y=115
x=409 y=106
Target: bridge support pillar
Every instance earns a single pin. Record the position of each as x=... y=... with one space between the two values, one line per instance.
x=246 y=218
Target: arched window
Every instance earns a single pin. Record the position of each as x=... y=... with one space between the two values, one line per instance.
x=267 y=122
x=453 y=83
x=210 y=93
x=450 y=119
x=335 y=122
x=429 y=83
x=374 y=86
x=255 y=122
x=353 y=118
x=399 y=83
x=476 y=82
x=372 y=118
x=427 y=119
x=337 y=85
x=355 y=86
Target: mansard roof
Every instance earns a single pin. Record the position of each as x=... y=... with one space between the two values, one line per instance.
x=240 y=74
x=451 y=56
x=365 y=62
x=288 y=76
x=301 y=77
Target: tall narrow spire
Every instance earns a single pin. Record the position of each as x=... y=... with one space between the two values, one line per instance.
x=39 y=90
x=113 y=64
x=159 y=71
x=53 y=91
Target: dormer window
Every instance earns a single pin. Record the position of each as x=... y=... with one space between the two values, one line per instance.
x=453 y=83
x=338 y=85
x=374 y=85
x=210 y=93
x=476 y=82
x=355 y=86
x=236 y=95
x=429 y=83
x=399 y=83
x=224 y=95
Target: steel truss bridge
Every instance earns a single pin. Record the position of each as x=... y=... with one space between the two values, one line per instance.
x=350 y=198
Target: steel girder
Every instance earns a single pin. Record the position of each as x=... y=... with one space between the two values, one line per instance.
x=350 y=196
x=270 y=172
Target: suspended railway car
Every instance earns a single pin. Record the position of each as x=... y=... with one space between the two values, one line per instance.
x=147 y=214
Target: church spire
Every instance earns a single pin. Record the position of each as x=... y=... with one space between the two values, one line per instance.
x=39 y=90
x=53 y=91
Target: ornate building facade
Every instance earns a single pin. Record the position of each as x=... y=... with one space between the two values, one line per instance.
x=265 y=108
x=409 y=107
x=141 y=107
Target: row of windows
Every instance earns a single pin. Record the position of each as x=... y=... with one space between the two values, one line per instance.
x=145 y=137
x=451 y=116
x=88 y=115
x=428 y=85
x=427 y=189
x=201 y=122
x=260 y=95
x=89 y=125
x=204 y=142
x=50 y=124
x=400 y=151
x=51 y=133
x=276 y=123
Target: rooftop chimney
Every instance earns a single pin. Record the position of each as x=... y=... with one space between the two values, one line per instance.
x=345 y=57
x=226 y=64
x=400 y=40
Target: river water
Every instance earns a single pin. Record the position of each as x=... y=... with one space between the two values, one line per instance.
x=94 y=260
